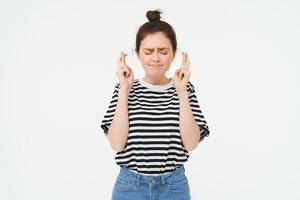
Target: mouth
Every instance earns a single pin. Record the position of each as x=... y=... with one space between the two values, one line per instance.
x=156 y=66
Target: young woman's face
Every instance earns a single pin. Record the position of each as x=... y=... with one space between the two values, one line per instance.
x=156 y=54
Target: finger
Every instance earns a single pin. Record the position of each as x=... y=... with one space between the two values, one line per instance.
x=182 y=63
x=123 y=58
x=128 y=68
x=177 y=71
x=180 y=72
x=119 y=60
x=188 y=61
x=183 y=59
x=126 y=72
x=187 y=66
x=125 y=69
x=181 y=75
x=121 y=66
x=120 y=57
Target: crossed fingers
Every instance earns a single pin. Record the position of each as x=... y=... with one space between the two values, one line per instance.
x=121 y=61
x=185 y=65
x=122 y=64
x=185 y=61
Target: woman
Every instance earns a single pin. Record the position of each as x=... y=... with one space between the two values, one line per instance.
x=153 y=122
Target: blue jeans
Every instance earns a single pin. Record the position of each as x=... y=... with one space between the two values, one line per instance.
x=133 y=186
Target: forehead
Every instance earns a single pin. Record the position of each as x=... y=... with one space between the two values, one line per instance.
x=156 y=40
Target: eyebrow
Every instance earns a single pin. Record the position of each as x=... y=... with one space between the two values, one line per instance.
x=158 y=48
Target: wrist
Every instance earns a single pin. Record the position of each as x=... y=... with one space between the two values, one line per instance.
x=181 y=91
x=125 y=88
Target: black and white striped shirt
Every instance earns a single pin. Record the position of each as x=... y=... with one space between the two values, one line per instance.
x=154 y=144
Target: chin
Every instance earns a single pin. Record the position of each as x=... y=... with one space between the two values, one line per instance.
x=156 y=68
x=156 y=74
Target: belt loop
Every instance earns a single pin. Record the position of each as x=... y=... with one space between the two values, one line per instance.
x=162 y=180
x=138 y=179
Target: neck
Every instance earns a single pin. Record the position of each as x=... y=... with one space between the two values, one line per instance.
x=157 y=80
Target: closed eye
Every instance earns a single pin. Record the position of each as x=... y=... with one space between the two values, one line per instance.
x=150 y=52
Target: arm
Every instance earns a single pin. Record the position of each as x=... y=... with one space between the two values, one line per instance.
x=189 y=130
x=119 y=128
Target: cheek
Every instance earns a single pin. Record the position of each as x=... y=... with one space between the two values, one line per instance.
x=145 y=59
x=167 y=59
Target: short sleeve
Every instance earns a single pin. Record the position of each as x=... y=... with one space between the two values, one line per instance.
x=197 y=113
x=109 y=115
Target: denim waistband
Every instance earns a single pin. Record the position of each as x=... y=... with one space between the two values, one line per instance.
x=140 y=178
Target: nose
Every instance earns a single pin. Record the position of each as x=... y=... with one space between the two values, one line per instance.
x=156 y=57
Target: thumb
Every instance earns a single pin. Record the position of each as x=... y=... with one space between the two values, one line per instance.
x=176 y=73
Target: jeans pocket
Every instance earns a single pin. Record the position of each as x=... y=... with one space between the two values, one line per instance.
x=123 y=184
x=179 y=185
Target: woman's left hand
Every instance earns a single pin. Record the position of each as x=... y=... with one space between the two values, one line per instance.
x=182 y=75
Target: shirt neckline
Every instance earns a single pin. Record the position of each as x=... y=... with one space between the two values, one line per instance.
x=156 y=87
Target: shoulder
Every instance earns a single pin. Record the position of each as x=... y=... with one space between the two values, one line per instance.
x=134 y=85
x=117 y=85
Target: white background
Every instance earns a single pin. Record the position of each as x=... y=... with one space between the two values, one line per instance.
x=57 y=75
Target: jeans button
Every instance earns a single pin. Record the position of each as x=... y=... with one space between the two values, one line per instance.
x=152 y=181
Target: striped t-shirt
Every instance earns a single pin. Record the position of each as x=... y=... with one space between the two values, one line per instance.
x=154 y=145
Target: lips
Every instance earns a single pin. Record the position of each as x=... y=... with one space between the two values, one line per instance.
x=155 y=65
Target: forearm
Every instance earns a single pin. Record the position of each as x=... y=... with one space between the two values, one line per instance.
x=189 y=129
x=119 y=127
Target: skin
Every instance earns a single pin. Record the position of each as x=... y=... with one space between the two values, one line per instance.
x=156 y=55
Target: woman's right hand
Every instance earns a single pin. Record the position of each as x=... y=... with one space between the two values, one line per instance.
x=124 y=72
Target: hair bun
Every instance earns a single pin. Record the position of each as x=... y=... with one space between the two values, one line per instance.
x=153 y=15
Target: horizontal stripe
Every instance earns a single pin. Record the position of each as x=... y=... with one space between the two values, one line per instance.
x=154 y=143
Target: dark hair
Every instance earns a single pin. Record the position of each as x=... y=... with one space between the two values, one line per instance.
x=155 y=25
